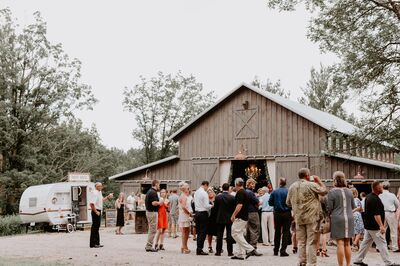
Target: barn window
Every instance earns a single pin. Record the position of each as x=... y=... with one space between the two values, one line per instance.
x=32 y=202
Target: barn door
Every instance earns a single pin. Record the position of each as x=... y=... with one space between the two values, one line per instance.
x=289 y=168
x=205 y=170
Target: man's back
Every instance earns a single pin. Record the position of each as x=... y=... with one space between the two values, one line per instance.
x=389 y=201
x=303 y=199
x=173 y=203
x=225 y=205
x=278 y=199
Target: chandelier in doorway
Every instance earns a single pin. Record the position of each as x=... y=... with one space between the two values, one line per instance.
x=252 y=171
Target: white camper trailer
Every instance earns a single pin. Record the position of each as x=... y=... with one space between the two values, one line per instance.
x=55 y=204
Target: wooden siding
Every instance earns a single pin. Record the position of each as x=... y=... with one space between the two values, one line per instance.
x=278 y=130
x=326 y=166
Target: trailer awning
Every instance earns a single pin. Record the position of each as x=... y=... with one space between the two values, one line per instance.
x=362 y=160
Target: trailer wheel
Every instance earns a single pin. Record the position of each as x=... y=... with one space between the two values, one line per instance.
x=70 y=228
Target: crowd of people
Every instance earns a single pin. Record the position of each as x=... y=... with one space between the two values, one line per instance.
x=306 y=215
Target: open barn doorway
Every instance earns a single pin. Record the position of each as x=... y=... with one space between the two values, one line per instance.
x=250 y=168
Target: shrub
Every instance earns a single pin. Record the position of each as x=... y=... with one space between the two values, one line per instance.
x=10 y=225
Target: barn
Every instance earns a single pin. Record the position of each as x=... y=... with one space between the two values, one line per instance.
x=254 y=133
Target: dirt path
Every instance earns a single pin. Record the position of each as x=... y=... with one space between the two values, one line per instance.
x=128 y=249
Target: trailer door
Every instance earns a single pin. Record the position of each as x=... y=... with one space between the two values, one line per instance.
x=75 y=195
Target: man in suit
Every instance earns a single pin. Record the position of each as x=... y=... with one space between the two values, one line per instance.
x=224 y=206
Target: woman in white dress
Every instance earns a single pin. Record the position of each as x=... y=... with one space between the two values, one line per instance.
x=185 y=214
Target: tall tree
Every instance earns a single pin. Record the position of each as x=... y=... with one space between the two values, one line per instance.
x=270 y=86
x=161 y=105
x=324 y=92
x=365 y=35
x=39 y=85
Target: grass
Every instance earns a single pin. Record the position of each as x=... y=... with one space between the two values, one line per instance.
x=10 y=225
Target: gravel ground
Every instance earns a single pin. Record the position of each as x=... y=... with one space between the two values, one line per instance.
x=128 y=249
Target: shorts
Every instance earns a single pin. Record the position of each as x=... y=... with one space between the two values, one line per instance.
x=173 y=218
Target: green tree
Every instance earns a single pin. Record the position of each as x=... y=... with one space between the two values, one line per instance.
x=365 y=35
x=324 y=92
x=270 y=86
x=161 y=105
x=39 y=87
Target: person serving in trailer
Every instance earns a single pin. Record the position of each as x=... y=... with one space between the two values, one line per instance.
x=96 y=204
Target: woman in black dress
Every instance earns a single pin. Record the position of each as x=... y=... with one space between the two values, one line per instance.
x=120 y=206
x=212 y=221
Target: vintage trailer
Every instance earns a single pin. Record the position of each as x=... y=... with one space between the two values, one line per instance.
x=57 y=204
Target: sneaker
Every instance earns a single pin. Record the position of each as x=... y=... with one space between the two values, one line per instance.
x=151 y=250
x=237 y=258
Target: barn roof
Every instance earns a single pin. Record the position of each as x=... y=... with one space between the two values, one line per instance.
x=143 y=167
x=363 y=160
x=323 y=119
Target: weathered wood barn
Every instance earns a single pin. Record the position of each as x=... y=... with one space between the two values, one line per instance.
x=251 y=132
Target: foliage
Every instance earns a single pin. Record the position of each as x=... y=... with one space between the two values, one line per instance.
x=161 y=105
x=273 y=87
x=40 y=140
x=365 y=35
x=10 y=225
x=325 y=92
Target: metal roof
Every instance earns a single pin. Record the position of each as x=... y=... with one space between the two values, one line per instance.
x=363 y=160
x=323 y=119
x=143 y=167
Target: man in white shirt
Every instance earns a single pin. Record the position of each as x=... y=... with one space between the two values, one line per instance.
x=202 y=206
x=96 y=204
x=130 y=205
x=391 y=204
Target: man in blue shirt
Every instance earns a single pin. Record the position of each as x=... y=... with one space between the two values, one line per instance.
x=267 y=219
x=282 y=218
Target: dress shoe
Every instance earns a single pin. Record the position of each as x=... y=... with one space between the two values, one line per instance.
x=217 y=254
x=230 y=254
x=360 y=263
x=151 y=250
x=237 y=258
x=253 y=253
x=97 y=246
x=284 y=254
x=201 y=253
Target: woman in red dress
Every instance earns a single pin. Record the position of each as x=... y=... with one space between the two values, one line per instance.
x=162 y=224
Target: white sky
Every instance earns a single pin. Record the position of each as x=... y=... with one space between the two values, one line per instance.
x=222 y=43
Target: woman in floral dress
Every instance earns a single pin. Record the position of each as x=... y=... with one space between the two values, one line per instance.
x=358 y=222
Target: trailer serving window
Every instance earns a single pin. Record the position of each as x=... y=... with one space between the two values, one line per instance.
x=63 y=198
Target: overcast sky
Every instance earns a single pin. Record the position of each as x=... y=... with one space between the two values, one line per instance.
x=222 y=43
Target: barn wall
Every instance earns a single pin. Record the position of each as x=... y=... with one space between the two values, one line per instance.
x=271 y=129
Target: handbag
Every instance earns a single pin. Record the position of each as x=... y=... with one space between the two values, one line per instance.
x=325 y=225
